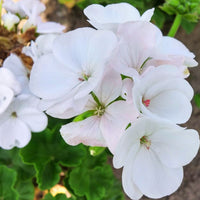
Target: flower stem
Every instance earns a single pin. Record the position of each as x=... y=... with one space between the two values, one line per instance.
x=175 y=25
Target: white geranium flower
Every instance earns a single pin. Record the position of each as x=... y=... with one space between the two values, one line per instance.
x=42 y=46
x=9 y=87
x=18 y=121
x=13 y=7
x=112 y=15
x=9 y=20
x=70 y=72
x=110 y=118
x=148 y=47
x=161 y=93
x=15 y=65
x=152 y=153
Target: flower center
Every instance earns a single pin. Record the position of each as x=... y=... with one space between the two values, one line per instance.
x=14 y=115
x=99 y=111
x=147 y=143
x=146 y=102
x=84 y=77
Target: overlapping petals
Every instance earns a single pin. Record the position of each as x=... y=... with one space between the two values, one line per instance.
x=72 y=72
x=109 y=126
x=111 y=16
x=150 y=154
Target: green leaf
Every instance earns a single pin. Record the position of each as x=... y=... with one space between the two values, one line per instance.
x=47 y=151
x=25 y=190
x=92 y=183
x=48 y=174
x=188 y=26
x=57 y=197
x=159 y=18
x=12 y=159
x=7 y=181
x=92 y=178
x=197 y=99
x=115 y=192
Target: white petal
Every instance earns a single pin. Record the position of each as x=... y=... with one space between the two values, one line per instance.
x=146 y=16
x=50 y=79
x=110 y=87
x=67 y=108
x=86 y=132
x=26 y=108
x=50 y=27
x=152 y=178
x=67 y=49
x=175 y=148
x=6 y=97
x=35 y=120
x=13 y=133
x=8 y=79
x=130 y=141
x=14 y=64
x=132 y=52
x=127 y=90
x=172 y=47
x=171 y=105
x=128 y=185
x=113 y=126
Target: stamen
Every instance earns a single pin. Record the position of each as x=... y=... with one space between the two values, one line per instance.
x=99 y=111
x=145 y=142
x=146 y=102
x=84 y=77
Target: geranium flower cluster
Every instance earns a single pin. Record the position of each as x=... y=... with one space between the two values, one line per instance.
x=26 y=14
x=126 y=79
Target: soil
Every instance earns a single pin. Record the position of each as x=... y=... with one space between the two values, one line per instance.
x=190 y=188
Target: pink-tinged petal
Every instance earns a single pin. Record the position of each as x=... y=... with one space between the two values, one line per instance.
x=115 y=120
x=14 y=132
x=132 y=52
x=171 y=105
x=175 y=148
x=109 y=88
x=152 y=177
x=50 y=27
x=169 y=47
x=50 y=79
x=87 y=132
x=127 y=182
x=67 y=108
x=6 y=97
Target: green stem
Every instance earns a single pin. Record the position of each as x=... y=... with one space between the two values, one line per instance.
x=175 y=25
